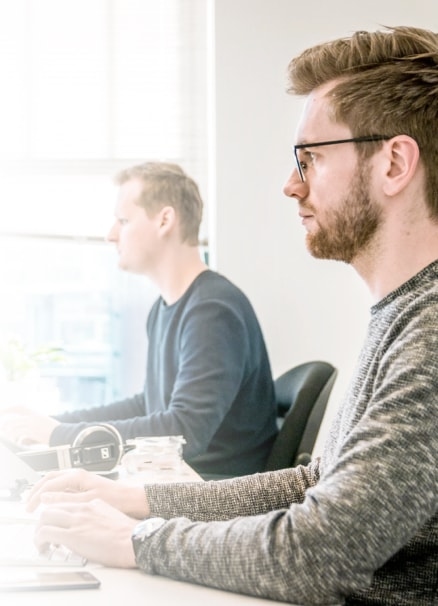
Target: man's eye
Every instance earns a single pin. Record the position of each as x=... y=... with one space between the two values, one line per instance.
x=306 y=160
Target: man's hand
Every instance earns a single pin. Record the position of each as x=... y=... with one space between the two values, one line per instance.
x=25 y=426
x=81 y=486
x=94 y=530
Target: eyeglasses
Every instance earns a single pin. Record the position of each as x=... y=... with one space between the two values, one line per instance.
x=302 y=165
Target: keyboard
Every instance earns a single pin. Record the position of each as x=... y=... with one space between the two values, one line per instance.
x=18 y=549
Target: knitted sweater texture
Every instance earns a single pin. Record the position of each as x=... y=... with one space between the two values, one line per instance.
x=358 y=526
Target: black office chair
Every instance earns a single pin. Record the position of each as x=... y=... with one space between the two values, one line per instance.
x=302 y=394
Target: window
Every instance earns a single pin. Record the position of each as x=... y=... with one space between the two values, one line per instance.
x=88 y=88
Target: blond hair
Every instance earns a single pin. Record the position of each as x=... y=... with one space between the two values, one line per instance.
x=166 y=184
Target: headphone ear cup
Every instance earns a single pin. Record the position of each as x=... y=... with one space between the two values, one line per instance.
x=108 y=456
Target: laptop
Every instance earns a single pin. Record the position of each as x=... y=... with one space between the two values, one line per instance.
x=16 y=525
x=15 y=474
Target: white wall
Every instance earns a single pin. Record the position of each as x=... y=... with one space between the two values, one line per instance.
x=309 y=309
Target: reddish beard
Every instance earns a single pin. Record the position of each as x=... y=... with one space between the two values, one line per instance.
x=350 y=227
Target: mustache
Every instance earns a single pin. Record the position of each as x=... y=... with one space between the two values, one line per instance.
x=306 y=206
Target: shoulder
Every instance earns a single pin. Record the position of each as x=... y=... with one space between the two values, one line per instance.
x=211 y=285
x=411 y=308
x=215 y=301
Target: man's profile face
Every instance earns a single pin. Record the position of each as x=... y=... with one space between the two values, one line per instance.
x=335 y=203
x=134 y=232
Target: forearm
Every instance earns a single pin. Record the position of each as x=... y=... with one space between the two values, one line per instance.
x=249 y=555
x=123 y=409
x=225 y=499
x=314 y=552
x=122 y=415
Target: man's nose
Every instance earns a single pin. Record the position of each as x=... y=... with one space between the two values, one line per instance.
x=112 y=234
x=295 y=187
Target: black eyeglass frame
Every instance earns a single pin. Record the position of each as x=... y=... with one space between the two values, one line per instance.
x=365 y=139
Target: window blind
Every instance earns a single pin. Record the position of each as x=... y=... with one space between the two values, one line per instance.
x=88 y=88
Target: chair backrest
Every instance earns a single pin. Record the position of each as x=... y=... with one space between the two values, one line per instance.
x=302 y=394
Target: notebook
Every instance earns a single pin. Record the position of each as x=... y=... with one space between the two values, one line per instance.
x=16 y=525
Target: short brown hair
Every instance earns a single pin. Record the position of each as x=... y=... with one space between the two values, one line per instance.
x=166 y=184
x=387 y=85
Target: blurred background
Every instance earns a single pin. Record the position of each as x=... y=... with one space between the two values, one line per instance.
x=91 y=86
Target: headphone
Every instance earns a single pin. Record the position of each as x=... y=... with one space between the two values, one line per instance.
x=96 y=448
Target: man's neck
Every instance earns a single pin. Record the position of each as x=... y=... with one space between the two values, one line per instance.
x=397 y=257
x=178 y=272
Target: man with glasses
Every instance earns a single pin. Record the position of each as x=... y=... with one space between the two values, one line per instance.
x=359 y=526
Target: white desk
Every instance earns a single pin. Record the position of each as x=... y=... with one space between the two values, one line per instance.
x=133 y=588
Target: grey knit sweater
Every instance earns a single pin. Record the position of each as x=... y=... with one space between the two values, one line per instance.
x=359 y=526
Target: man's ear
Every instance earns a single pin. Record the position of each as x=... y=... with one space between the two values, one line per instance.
x=166 y=219
x=402 y=154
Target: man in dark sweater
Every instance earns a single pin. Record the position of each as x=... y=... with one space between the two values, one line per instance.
x=208 y=376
